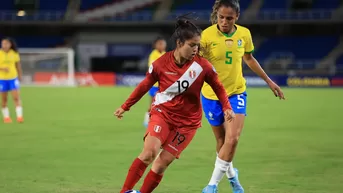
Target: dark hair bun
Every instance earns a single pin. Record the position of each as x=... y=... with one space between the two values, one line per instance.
x=181 y=22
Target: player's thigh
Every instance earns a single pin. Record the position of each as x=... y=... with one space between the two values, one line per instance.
x=213 y=111
x=239 y=103
x=159 y=129
x=178 y=140
x=234 y=128
x=153 y=90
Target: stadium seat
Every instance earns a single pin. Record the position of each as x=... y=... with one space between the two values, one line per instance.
x=339 y=64
x=39 y=42
x=272 y=4
x=91 y=4
x=202 y=10
x=308 y=48
x=324 y=4
x=7 y=5
x=60 y=5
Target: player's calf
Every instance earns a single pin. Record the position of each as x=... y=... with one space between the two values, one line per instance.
x=155 y=175
x=151 y=148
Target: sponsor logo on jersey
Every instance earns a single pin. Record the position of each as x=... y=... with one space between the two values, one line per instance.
x=192 y=74
x=229 y=43
x=171 y=73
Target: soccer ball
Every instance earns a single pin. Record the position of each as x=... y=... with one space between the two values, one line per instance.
x=132 y=191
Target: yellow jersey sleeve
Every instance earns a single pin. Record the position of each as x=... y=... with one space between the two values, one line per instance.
x=249 y=46
x=204 y=45
x=153 y=56
x=17 y=58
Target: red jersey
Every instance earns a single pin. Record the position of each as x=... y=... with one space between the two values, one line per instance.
x=178 y=98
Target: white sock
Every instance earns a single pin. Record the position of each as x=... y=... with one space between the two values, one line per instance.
x=5 y=112
x=230 y=173
x=219 y=171
x=19 y=111
x=146 y=118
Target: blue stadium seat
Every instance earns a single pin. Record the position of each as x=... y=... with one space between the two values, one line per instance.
x=273 y=4
x=311 y=48
x=39 y=42
x=7 y=5
x=339 y=64
x=92 y=4
x=48 y=5
x=202 y=9
x=324 y=4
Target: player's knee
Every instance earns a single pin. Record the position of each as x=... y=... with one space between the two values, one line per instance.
x=148 y=155
x=161 y=164
x=232 y=141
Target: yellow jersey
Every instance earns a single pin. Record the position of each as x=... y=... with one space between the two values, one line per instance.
x=8 y=60
x=154 y=55
x=225 y=53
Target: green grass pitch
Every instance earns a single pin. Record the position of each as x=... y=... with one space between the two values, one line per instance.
x=71 y=143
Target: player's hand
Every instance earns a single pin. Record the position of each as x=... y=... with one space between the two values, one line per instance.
x=119 y=113
x=276 y=90
x=229 y=115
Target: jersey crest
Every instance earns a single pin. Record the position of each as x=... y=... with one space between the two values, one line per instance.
x=229 y=43
x=192 y=74
x=239 y=43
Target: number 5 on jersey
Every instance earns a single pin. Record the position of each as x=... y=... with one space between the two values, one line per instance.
x=228 y=57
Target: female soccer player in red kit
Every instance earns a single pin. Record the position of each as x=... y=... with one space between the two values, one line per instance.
x=176 y=110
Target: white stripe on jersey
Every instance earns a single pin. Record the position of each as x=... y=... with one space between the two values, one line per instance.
x=191 y=74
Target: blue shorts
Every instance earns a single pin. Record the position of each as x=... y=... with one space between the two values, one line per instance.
x=9 y=85
x=213 y=109
x=153 y=91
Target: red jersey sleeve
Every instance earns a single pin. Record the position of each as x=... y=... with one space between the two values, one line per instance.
x=142 y=88
x=211 y=78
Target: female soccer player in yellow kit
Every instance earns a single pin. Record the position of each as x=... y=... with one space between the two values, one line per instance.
x=224 y=44
x=159 y=45
x=10 y=74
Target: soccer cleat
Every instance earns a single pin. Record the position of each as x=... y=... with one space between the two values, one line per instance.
x=20 y=119
x=235 y=185
x=210 y=189
x=7 y=120
x=132 y=191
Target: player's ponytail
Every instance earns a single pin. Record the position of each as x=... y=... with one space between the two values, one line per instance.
x=12 y=42
x=234 y=4
x=185 y=29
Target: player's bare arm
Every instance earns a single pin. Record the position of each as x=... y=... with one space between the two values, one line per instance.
x=19 y=70
x=136 y=95
x=253 y=64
